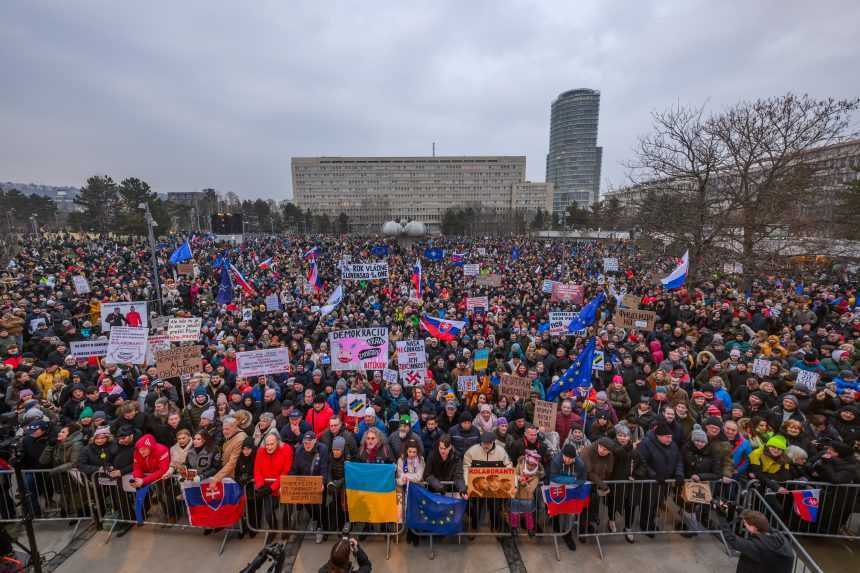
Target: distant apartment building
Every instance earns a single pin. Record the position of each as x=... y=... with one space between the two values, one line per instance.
x=63 y=196
x=573 y=164
x=190 y=198
x=372 y=190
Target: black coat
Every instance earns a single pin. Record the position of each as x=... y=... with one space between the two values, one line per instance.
x=438 y=470
x=661 y=462
x=761 y=553
x=704 y=463
x=94 y=458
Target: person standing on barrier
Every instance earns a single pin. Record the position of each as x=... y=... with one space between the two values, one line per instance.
x=662 y=461
x=764 y=550
x=566 y=468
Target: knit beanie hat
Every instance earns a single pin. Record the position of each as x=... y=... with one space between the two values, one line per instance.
x=87 y=412
x=568 y=450
x=698 y=434
x=777 y=442
x=339 y=444
x=622 y=429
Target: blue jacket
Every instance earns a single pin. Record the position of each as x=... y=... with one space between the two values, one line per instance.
x=741 y=451
x=362 y=428
x=574 y=474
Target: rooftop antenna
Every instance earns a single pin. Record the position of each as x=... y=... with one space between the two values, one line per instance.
x=434 y=149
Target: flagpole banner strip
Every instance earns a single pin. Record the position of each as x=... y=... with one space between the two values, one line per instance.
x=498 y=483
x=515 y=386
x=179 y=361
x=184 y=329
x=359 y=348
x=127 y=345
x=363 y=271
x=634 y=319
x=301 y=490
x=262 y=362
x=133 y=314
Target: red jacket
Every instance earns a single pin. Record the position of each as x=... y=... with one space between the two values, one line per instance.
x=152 y=467
x=268 y=468
x=318 y=421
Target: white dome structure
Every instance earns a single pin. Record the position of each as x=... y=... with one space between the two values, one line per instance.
x=415 y=229
x=392 y=228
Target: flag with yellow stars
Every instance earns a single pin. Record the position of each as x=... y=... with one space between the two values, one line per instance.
x=433 y=513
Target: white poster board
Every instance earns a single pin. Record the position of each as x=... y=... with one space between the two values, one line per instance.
x=262 y=362
x=127 y=345
x=359 y=348
x=82 y=286
x=184 y=329
x=88 y=348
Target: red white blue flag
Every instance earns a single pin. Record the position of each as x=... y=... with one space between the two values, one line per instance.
x=311 y=254
x=416 y=279
x=246 y=286
x=267 y=264
x=213 y=504
x=440 y=328
x=806 y=504
x=564 y=499
x=314 y=276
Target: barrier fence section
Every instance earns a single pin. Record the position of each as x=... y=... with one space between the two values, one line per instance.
x=264 y=513
x=652 y=508
x=58 y=496
x=838 y=511
x=502 y=517
x=115 y=501
x=10 y=512
x=803 y=562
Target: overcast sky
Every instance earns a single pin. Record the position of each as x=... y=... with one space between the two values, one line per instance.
x=195 y=94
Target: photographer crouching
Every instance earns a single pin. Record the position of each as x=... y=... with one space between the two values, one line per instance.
x=347 y=557
x=763 y=550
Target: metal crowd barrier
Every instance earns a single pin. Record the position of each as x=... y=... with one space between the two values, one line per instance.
x=58 y=496
x=265 y=514
x=838 y=511
x=493 y=517
x=163 y=506
x=652 y=508
x=803 y=562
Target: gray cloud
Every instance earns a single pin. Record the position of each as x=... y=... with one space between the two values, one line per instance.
x=194 y=94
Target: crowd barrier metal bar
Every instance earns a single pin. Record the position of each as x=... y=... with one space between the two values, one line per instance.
x=648 y=507
x=59 y=496
x=10 y=511
x=498 y=518
x=838 y=511
x=115 y=503
x=265 y=514
x=803 y=562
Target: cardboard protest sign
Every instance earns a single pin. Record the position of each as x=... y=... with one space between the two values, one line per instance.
x=363 y=271
x=261 y=362
x=359 y=348
x=807 y=379
x=184 y=329
x=411 y=361
x=156 y=343
x=301 y=490
x=390 y=376
x=482 y=358
x=355 y=404
x=515 y=386
x=185 y=269
x=631 y=300
x=489 y=280
x=631 y=318
x=471 y=270
x=544 y=415
x=127 y=345
x=133 y=314
x=477 y=302
x=569 y=293
x=499 y=483
x=178 y=361
x=761 y=367
x=467 y=383
x=82 y=286
x=560 y=320
x=697 y=492
x=599 y=361
x=272 y=302
x=610 y=264
x=88 y=348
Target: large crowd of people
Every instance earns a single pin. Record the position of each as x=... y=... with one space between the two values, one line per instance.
x=679 y=401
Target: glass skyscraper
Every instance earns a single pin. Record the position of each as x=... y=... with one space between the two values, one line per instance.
x=573 y=161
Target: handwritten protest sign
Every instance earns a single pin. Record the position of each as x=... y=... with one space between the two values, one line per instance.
x=363 y=271
x=127 y=345
x=301 y=490
x=185 y=269
x=807 y=379
x=491 y=482
x=489 y=280
x=411 y=361
x=178 y=361
x=761 y=367
x=630 y=318
x=390 y=376
x=184 y=329
x=467 y=383
x=631 y=300
x=544 y=415
x=81 y=285
x=359 y=348
x=355 y=404
x=560 y=320
x=88 y=348
x=471 y=270
x=260 y=362
x=272 y=302
x=518 y=386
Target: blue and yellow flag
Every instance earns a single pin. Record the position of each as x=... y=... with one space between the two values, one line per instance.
x=370 y=493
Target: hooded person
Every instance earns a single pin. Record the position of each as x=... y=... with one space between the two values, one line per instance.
x=151 y=461
x=200 y=402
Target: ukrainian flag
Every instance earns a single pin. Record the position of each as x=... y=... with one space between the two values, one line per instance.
x=370 y=493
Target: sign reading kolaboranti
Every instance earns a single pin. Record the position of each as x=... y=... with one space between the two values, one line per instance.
x=359 y=348
x=262 y=362
x=364 y=271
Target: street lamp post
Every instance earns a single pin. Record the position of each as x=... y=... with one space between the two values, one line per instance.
x=150 y=224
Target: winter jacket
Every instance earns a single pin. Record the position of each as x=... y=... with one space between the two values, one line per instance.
x=559 y=472
x=94 y=458
x=318 y=421
x=204 y=461
x=312 y=463
x=463 y=440
x=230 y=452
x=598 y=468
x=63 y=455
x=410 y=470
x=661 y=462
x=152 y=467
x=438 y=470
x=761 y=552
x=704 y=462
x=268 y=468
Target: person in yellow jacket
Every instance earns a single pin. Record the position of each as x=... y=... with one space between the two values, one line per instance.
x=770 y=465
x=47 y=379
x=95 y=311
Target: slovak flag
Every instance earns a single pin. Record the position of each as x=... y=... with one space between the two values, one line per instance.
x=213 y=504
x=458 y=259
x=314 y=276
x=311 y=253
x=440 y=328
x=246 y=286
x=563 y=499
x=416 y=279
x=806 y=504
x=265 y=265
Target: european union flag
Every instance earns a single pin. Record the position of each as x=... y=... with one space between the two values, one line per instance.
x=434 y=254
x=587 y=315
x=433 y=513
x=183 y=253
x=225 y=288
x=380 y=250
x=515 y=254
x=578 y=375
